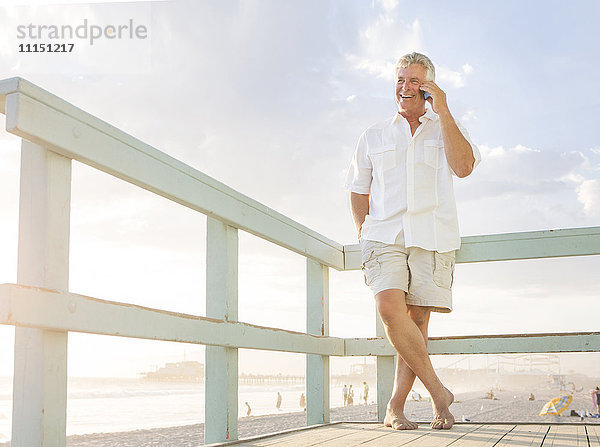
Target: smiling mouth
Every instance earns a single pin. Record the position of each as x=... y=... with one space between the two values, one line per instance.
x=407 y=96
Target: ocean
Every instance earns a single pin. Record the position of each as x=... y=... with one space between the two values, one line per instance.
x=100 y=405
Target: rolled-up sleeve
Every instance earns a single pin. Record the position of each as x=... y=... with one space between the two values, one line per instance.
x=359 y=175
x=475 y=149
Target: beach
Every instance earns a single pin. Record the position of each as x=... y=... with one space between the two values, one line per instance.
x=510 y=403
x=507 y=406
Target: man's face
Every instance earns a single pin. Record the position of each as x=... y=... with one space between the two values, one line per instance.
x=408 y=81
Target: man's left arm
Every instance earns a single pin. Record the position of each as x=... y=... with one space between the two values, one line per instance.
x=459 y=152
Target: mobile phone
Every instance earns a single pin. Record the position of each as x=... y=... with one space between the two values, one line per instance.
x=426 y=95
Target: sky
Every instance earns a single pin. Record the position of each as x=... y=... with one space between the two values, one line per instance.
x=270 y=97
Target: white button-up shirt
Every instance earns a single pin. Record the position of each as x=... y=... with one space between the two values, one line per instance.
x=410 y=183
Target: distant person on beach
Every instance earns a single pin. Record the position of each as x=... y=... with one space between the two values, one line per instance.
x=402 y=200
x=303 y=401
x=350 y=396
x=249 y=409
x=531 y=396
x=278 y=404
x=595 y=393
x=345 y=394
x=365 y=391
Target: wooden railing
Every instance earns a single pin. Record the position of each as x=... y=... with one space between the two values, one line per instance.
x=43 y=310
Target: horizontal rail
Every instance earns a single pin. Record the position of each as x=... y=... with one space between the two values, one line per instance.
x=514 y=246
x=49 y=309
x=486 y=344
x=63 y=311
x=43 y=118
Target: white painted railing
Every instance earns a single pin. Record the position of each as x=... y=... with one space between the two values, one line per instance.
x=43 y=310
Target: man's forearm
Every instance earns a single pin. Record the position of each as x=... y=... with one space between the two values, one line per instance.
x=458 y=150
x=359 y=203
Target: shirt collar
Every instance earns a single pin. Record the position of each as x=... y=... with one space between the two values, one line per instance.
x=429 y=114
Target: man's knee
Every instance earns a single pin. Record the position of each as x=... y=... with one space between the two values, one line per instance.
x=391 y=306
x=420 y=315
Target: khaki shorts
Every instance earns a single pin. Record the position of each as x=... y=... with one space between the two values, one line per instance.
x=426 y=276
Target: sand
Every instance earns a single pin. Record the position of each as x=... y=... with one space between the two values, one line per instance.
x=193 y=435
x=508 y=406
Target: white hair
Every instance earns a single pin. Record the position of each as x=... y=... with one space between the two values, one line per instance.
x=417 y=58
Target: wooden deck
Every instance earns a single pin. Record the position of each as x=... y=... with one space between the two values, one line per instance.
x=462 y=435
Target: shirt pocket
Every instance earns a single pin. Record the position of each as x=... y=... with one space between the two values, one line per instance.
x=383 y=158
x=432 y=153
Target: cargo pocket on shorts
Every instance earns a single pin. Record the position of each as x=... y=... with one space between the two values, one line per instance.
x=443 y=269
x=370 y=266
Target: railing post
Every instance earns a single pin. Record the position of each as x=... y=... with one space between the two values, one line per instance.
x=40 y=374
x=386 y=365
x=221 y=371
x=317 y=366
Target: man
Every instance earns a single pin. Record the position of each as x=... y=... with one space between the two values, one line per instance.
x=278 y=404
x=345 y=394
x=365 y=391
x=402 y=200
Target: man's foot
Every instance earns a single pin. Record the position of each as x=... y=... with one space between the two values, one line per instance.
x=442 y=418
x=398 y=421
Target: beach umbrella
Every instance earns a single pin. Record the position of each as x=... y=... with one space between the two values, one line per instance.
x=557 y=405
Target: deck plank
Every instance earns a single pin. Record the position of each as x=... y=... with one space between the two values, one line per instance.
x=566 y=436
x=425 y=437
x=312 y=436
x=593 y=433
x=484 y=436
x=363 y=433
x=524 y=436
x=394 y=438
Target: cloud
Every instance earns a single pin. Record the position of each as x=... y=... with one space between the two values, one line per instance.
x=467 y=69
x=545 y=189
x=455 y=79
x=388 y=36
x=469 y=115
x=389 y=5
x=588 y=193
x=380 y=68
x=382 y=41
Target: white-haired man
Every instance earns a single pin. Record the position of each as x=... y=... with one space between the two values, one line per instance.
x=401 y=194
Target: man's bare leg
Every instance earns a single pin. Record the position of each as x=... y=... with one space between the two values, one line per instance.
x=408 y=341
x=405 y=377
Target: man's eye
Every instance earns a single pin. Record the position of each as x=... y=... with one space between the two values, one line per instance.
x=415 y=82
